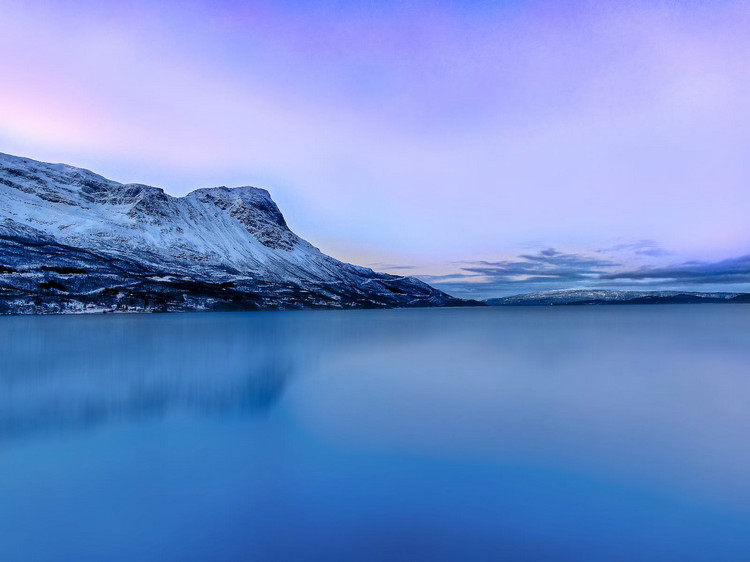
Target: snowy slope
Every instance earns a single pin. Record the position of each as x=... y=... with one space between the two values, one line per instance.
x=72 y=240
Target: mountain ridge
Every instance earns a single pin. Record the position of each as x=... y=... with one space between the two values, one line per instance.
x=569 y=297
x=72 y=240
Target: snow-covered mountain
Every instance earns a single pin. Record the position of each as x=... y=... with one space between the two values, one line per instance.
x=596 y=296
x=74 y=241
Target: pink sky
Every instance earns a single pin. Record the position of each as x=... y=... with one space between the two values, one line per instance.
x=409 y=134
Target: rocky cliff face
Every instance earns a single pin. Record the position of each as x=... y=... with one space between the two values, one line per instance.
x=73 y=241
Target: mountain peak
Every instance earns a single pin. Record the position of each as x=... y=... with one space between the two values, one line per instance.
x=71 y=240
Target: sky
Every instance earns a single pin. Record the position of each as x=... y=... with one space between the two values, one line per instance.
x=490 y=148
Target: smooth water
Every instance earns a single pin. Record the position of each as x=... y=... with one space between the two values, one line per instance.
x=573 y=433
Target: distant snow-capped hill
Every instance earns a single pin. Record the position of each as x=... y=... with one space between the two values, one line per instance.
x=74 y=241
x=585 y=296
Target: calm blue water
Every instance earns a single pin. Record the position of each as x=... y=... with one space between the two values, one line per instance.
x=591 y=433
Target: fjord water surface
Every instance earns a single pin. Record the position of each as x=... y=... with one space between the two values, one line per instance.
x=570 y=433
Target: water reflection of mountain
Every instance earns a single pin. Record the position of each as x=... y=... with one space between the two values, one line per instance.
x=58 y=376
x=73 y=372
x=38 y=409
